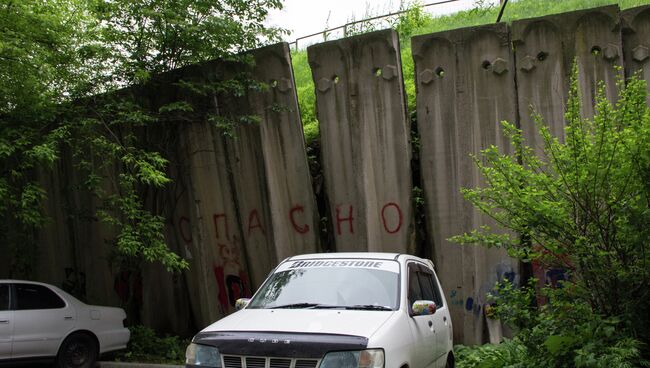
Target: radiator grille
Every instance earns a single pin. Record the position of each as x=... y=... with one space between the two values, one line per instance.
x=280 y=363
x=306 y=364
x=234 y=361
x=255 y=362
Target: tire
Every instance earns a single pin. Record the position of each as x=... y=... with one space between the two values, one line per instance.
x=77 y=351
x=451 y=363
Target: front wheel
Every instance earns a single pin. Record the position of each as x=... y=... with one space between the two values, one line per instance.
x=77 y=351
x=451 y=363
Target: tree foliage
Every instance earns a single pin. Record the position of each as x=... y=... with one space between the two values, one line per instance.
x=55 y=56
x=584 y=205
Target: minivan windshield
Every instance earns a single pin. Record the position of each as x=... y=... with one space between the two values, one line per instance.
x=331 y=283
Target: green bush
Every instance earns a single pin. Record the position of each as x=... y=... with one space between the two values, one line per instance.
x=565 y=332
x=584 y=208
x=147 y=347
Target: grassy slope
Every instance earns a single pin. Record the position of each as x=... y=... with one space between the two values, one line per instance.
x=520 y=9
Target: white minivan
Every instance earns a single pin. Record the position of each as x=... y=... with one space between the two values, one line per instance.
x=335 y=310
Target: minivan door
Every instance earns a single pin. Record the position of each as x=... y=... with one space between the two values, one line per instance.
x=422 y=326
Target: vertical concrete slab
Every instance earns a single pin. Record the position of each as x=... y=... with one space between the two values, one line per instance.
x=183 y=230
x=218 y=255
x=56 y=248
x=269 y=164
x=546 y=48
x=294 y=216
x=465 y=88
x=179 y=233
x=75 y=248
x=636 y=42
x=365 y=141
x=203 y=224
x=246 y=160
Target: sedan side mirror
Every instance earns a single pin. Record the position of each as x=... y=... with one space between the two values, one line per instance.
x=241 y=303
x=423 y=308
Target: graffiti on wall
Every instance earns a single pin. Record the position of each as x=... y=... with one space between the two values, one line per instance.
x=390 y=215
x=548 y=275
x=478 y=301
x=128 y=287
x=229 y=272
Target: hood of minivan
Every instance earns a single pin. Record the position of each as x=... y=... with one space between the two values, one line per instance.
x=327 y=321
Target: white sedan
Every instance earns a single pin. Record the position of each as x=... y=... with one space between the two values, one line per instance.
x=42 y=322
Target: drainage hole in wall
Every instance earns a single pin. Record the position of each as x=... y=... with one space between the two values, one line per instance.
x=486 y=65
x=377 y=72
x=595 y=50
x=440 y=72
x=335 y=79
x=542 y=55
x=274 y=83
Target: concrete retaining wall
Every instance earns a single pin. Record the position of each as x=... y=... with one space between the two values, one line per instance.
x=365 y=141
x=241 y=202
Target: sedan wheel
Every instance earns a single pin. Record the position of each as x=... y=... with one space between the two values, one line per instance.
x=77 y=351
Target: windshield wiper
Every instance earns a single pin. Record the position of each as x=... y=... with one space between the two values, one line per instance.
x=295 y=305
x=369 y=307
x=330 y=306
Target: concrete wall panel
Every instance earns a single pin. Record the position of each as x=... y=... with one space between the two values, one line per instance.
x=246 y=161
x=465 y=88
x=545 y=51
x=636 y=42
x=218 y=253
x=365 y=141
x=269 y=166
x=541 y=77
x=294 y=216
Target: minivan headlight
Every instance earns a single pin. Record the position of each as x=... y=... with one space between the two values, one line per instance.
x=371 y=358
x=203 y=356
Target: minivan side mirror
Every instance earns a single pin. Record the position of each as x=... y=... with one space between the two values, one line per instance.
x=423 y=308
x=241 y=303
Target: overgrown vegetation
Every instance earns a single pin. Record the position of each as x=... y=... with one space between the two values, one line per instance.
x=55 y=55
x=566 y=332
x=584 y=207
x=145 y=346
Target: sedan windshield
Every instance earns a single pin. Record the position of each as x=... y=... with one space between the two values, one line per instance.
x=340 y=283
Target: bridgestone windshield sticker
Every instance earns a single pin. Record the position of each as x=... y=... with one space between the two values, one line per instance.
x=375 y=264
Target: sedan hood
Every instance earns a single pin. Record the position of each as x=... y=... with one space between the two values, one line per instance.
x=326 y=321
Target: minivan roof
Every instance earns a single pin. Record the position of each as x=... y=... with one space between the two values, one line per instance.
x=355 y=255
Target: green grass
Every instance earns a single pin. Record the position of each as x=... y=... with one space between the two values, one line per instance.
x=306 y=94
x=520 y=9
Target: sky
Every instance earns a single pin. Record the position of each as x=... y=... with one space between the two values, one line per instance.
x=304 y=17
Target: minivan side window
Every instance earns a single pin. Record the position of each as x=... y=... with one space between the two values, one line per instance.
x=4 y=297
x=30 y=296
x=422 y=285
x=415 y=291
x=427 y=286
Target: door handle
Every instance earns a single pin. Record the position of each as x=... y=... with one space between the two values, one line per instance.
x=67 y=318
x=4 y=321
